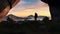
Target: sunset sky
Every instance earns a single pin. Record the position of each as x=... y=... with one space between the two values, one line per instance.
x=29 y=7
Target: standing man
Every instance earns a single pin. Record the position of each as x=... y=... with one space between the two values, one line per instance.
x=54 y=6
x=35 y=17
x=5 y=6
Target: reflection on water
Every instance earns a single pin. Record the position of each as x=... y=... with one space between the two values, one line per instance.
x=26 y=19
x=29 y=19
x=39 y=18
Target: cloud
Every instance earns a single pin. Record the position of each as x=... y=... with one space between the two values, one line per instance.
x=27 y=7
x=29 y=4
x=25 y=4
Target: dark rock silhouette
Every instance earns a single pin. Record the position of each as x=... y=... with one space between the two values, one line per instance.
x=35 y=17
x=10 y=2
x=5 y=6
x=9 y=20
x=5 y=3
x=54 y=9
x=46 y=18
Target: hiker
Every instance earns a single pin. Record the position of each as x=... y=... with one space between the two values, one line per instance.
x=5 y=6
x=35 y=17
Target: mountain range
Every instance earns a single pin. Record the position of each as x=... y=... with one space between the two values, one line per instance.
x=21 y=18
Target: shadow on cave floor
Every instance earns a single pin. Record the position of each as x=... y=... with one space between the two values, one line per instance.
x=30 y=27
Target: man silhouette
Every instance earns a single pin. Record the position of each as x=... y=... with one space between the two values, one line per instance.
x=54 y=6
x=36 y=15
x=5 y=6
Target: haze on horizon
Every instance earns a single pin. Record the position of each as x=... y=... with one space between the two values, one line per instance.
x=29 y=7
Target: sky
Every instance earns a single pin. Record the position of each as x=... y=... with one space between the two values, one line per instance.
x=28 y=7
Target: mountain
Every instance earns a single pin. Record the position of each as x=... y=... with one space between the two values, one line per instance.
x=11 y=16
x=30 y=17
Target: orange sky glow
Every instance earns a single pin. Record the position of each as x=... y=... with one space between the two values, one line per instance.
x=40 y=8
